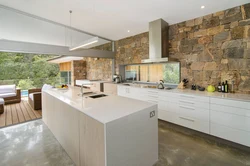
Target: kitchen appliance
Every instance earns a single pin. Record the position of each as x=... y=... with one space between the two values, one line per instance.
x=161 y=85
x=158 y=42
x=117 y=78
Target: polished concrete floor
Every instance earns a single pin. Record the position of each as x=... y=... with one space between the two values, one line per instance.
x=179 y=146
x=32 y=144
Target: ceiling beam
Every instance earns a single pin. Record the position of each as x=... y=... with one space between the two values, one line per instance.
x=50 y=21
x=34 y=48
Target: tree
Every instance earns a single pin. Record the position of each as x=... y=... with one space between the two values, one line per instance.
x=25 y=84
x=28 y=70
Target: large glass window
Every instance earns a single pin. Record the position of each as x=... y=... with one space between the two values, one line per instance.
x=168 y=72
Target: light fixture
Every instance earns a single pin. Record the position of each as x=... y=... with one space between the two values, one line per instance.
x=128 y=30
x=202 y=7
x=85 y=43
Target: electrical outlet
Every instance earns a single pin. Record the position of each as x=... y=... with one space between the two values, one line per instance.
x=152 y=114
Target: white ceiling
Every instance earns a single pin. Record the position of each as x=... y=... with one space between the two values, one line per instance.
x=113 y=18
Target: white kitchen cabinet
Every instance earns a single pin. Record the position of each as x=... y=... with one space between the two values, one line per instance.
x=230 y=120
x=184 y=110
x=225 y=118
x=132 y=92
x=168 y=111
x=123 y=91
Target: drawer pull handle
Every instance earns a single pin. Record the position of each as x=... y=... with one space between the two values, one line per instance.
x=190 y=108
x=186 y=102
x=187 y=96
x=187 y=119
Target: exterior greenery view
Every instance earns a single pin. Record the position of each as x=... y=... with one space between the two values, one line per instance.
x=171 y=73
x=27 y=70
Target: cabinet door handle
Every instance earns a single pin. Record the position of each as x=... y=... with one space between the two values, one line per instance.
x=187 y=96
x=190 y=108
x=191 y=120
x=183 y=101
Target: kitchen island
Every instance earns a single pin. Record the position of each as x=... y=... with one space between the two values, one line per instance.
x=99 y=130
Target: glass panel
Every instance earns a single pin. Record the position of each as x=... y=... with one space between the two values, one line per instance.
x=144 y=73
x=171 y=73
x=131 y=73
x=155 y=72
x=168 y=72
x=64 y=77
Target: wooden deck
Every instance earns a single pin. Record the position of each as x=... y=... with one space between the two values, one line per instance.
x=18 y=113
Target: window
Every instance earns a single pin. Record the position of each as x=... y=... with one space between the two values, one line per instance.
x=168 y=72
x=65 y=77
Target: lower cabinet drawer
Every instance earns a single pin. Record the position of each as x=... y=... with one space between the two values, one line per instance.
x=168 y=106
x=195 y=124
x=194 y=113
x=227 y=133
x=168 y=116
x=237 y=122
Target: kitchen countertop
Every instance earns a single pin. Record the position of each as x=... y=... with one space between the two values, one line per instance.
x=232 y=96
x=104 y=109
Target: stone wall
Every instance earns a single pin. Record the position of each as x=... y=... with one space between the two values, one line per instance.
x=214 y=48
x=78 y=71
x=99 y=68
x=132 y=50
x=211 y=49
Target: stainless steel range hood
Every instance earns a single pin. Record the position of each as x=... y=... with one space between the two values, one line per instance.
x=158 y=42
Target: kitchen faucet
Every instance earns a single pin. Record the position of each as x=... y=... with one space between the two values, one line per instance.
x=83 y=93
x=82 y=89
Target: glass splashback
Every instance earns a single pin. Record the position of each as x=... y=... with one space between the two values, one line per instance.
x=168 y=72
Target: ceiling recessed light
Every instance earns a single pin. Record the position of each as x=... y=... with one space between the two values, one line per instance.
x=202 y=7
x=128 y=30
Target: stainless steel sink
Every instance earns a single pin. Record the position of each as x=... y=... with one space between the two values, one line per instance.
x=97 y=96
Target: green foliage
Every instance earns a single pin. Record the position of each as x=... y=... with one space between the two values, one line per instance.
x=171 y=73
x=25 y=84
x=27 y=70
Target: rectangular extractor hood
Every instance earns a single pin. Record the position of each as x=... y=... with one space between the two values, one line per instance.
x=158 y=42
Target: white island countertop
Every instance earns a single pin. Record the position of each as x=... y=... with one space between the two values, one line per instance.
x=104 y=109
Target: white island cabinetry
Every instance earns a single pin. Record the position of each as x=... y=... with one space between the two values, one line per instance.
x=107 y=131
